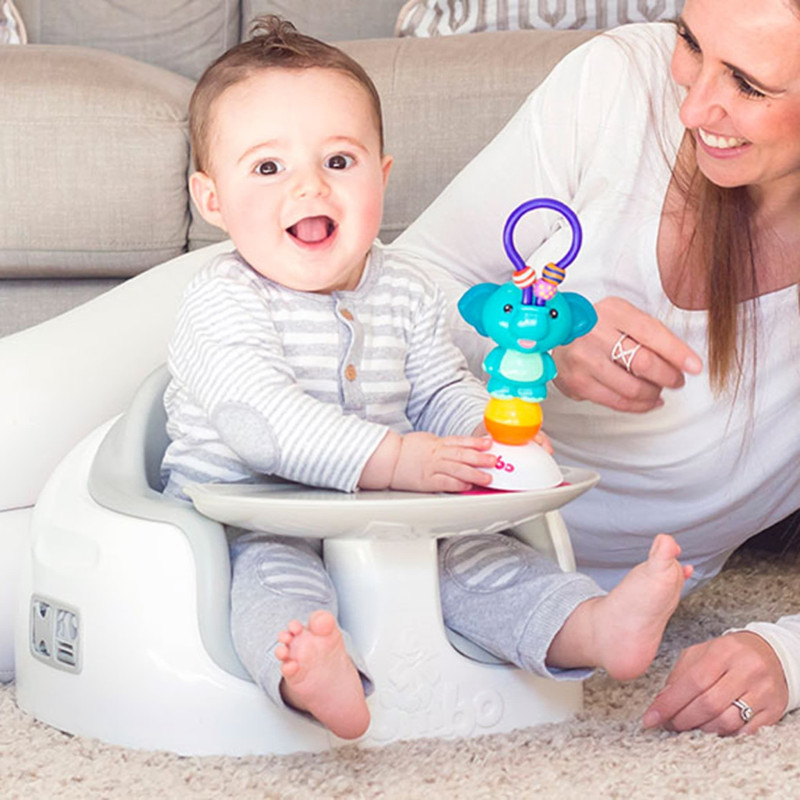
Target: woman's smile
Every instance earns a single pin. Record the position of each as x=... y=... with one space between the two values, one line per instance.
x=718 y=142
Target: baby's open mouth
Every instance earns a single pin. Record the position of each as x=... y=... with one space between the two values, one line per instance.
x=312 y=230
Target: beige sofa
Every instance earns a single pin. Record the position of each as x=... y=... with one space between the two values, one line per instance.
x=93 y=145
x=93 y=164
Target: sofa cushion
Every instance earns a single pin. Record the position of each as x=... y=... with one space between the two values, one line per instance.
x=93 y=160
x=445 y=17
x=180 y=36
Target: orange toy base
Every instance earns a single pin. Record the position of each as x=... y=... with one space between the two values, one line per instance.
x=512 y=421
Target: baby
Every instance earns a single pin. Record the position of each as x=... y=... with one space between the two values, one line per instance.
x=305 y=356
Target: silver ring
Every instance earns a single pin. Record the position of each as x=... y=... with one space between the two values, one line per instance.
x=622 y=356
x=745 y=711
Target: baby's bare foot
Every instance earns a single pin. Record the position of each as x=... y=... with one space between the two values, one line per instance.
x=622 y=630
x=319 y=676
x=631 y=618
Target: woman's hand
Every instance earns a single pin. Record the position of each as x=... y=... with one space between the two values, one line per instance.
x=625 y=361
x=708 y=677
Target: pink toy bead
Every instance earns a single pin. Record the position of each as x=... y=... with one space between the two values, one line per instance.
x=544 y=290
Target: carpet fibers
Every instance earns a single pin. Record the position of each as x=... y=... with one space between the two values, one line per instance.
x=602 y=753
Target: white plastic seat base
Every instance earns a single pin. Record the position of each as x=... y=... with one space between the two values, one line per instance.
x=140 y=674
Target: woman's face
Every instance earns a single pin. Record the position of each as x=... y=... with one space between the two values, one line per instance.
x=739 y=62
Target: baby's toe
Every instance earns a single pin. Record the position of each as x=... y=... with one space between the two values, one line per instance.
x=322 y=623
x=295 y=627
x=289 y=669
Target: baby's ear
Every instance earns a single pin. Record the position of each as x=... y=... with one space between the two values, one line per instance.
x=204 y=193
x=386 y=168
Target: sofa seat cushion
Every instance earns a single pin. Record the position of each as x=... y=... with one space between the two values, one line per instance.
x=93 y=160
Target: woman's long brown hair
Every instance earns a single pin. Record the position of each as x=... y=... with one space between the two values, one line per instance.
x=721 y=247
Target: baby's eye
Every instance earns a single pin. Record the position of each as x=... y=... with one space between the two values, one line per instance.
x=269 y=167
x=339 y=161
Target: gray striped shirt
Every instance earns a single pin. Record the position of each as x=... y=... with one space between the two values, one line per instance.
x=271 y=381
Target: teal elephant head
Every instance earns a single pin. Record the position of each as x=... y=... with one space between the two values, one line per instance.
x=520 y=365
x=497 y=311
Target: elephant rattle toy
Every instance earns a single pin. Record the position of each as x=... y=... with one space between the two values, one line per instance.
x=526 y=318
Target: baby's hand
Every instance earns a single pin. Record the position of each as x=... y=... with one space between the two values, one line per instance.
x=429 y=463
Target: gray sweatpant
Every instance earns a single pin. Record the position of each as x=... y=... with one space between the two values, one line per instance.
x=495 y=590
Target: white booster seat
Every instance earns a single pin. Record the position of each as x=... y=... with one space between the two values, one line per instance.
x=123 y=631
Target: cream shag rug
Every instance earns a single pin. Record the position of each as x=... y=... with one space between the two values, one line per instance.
x=603 y=753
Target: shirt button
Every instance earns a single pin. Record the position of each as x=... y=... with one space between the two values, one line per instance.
x=348 y=315
x=350 y=373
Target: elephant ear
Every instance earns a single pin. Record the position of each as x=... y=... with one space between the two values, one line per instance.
x=472 y=303
x=584 y=317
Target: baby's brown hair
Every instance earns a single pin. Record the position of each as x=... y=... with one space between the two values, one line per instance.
x=275 y=44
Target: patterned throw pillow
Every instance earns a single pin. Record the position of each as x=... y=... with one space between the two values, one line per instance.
x=12 y=31
x=444 y=17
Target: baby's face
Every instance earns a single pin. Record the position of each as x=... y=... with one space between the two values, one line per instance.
x=296 y=176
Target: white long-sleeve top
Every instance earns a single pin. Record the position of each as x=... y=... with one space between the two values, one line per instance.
x=601 y=134
x=268 y=381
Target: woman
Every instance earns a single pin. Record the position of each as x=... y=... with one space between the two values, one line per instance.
x=678 y=148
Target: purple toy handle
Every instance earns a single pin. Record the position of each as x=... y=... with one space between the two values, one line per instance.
x=511 y=250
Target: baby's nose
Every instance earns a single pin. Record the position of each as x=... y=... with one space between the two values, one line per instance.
x=311 y=182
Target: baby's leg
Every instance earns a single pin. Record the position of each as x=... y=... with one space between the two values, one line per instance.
x=508 y=598
x=518 y=605
x=621 y=631
x=312 y=668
